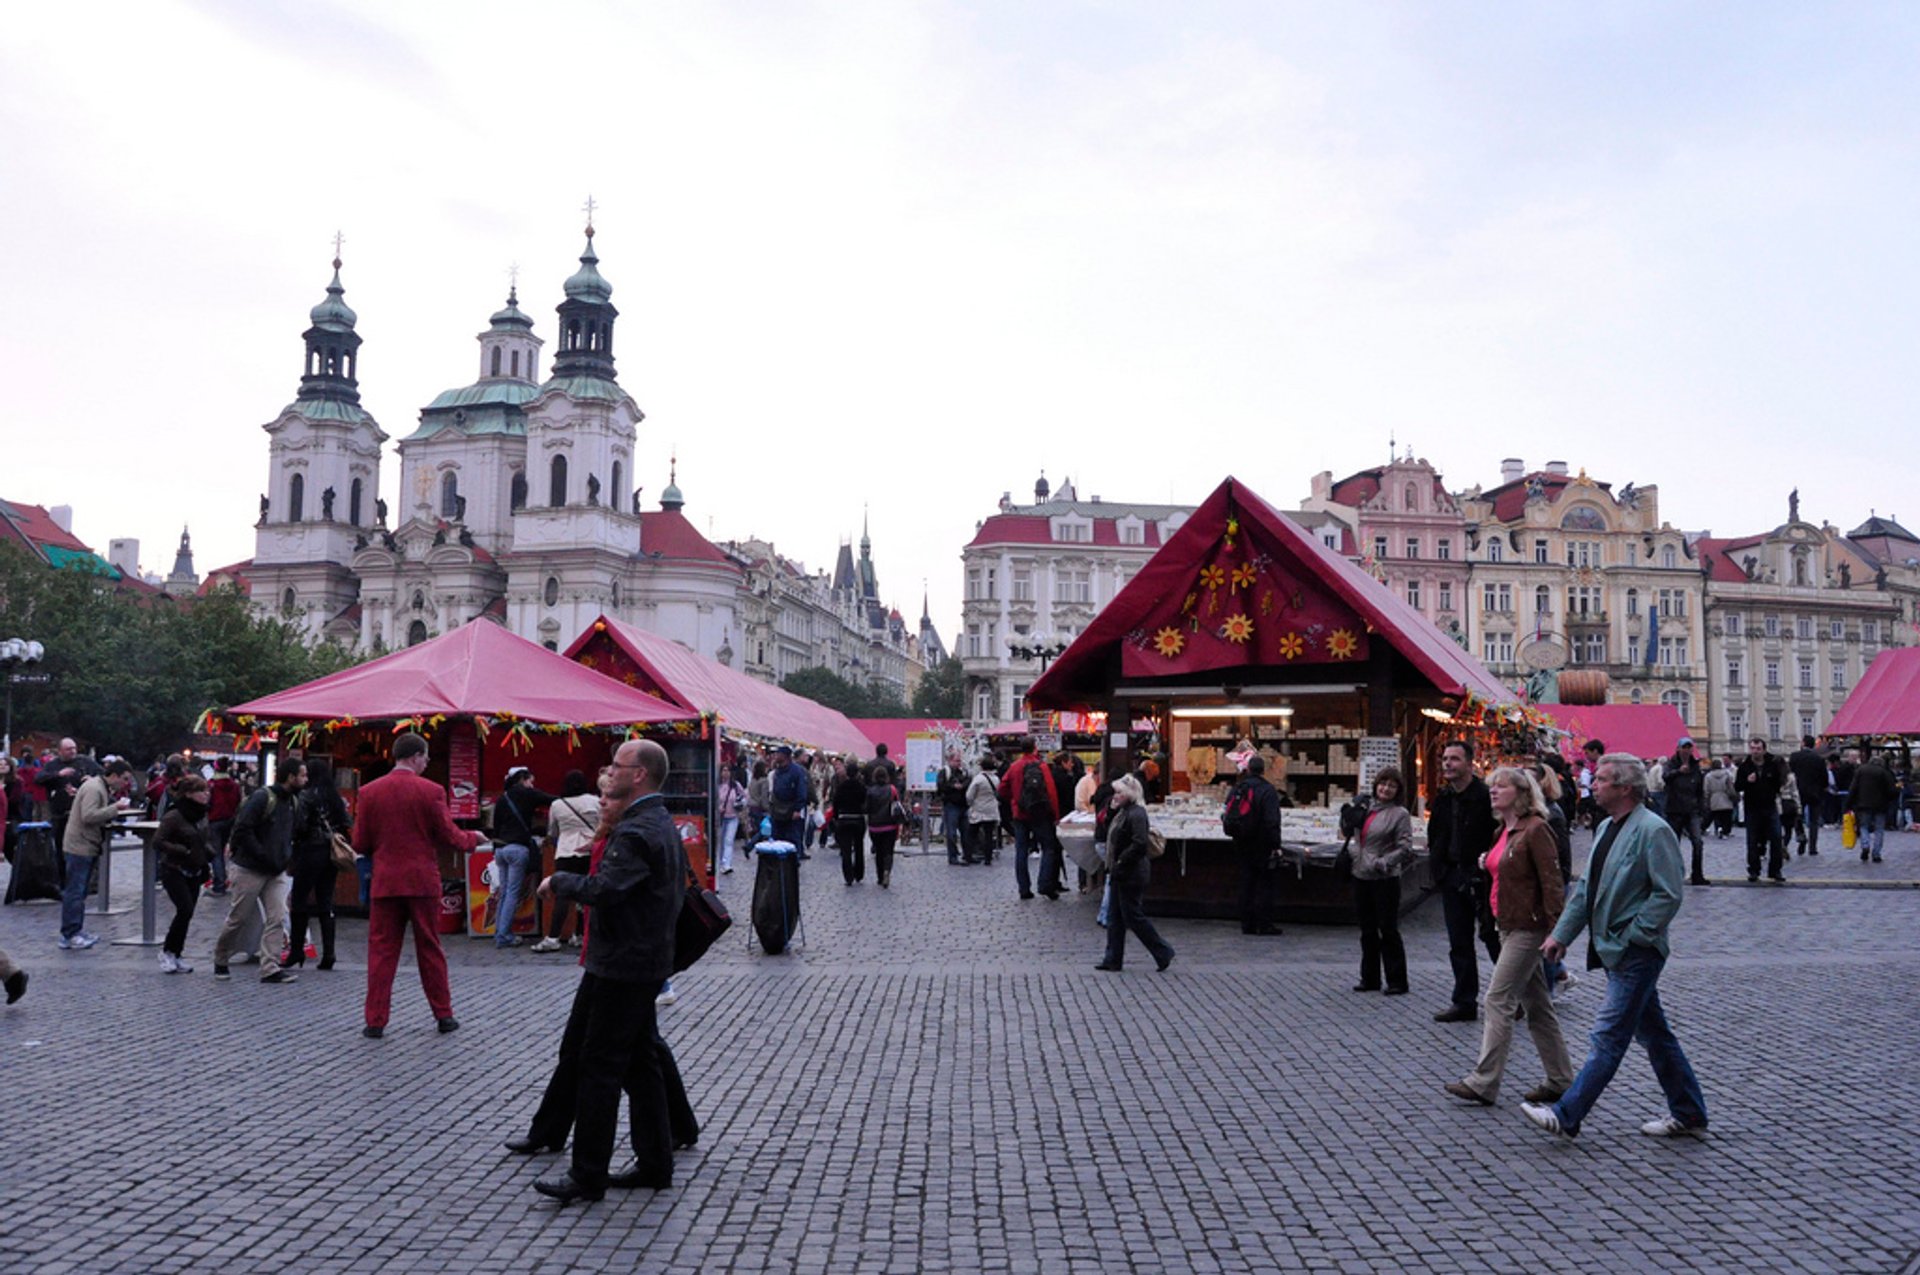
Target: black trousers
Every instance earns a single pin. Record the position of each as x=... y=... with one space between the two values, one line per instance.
x=1462 y=914
x=1377 y=906
x=1127 y=911
x=985 y=837
x=184 y=893
x=562 y=1105
x=1256 y=887
x=1686 y=826
x=851 y=836
x=884 y=840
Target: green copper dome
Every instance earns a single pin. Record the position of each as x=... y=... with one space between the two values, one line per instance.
x=511 y=317
x=334 y=312
x=586 y=283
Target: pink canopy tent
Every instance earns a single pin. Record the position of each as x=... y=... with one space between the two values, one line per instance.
x=893 y=731
x=1887 y=700
x=742 y=704
x=479 y=669
x=1645 y=730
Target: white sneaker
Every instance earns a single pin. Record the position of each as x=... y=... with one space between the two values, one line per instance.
x=1672 y=1127
x=83 y=941
x=168 y=965
x=66 y=944
x=547 y=945
x=667 y=997
x=1566 y=984
x=181 y=967
x=1541 y=1116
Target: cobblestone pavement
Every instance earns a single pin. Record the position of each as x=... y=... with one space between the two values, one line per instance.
x=939 y=1081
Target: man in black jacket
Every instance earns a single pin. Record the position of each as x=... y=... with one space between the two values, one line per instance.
x=1687 y=802
x=261 y=846
x=1253 y=808
x=1809 y=771
x=1459 y=831
x=951 y=784
x=611 y=1040
x=1759 y=781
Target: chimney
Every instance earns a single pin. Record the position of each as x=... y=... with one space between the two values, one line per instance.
x=124 y=554
x=1512 y=469
x=1558 y=468
x=62 y=516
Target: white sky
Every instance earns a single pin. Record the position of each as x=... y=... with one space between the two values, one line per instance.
x=907 y=255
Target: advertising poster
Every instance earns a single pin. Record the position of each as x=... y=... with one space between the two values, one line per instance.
x=923 y=760
x=463 y=776
x=693 y=838
x=482 y=902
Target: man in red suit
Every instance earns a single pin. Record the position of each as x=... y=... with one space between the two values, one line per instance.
x=402 y=824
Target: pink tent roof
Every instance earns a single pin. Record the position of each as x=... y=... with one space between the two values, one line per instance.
x=1099 y=656
x=1887 y=700
x=742 y=703
x=479 y=668
x=893 y=731
x=1645 y=730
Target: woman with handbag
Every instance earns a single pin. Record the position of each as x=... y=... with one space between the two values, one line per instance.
x=1382 y=848
x=321 y=817
x=1128 y=853
x=885 y=815
x=184 y=851
x=1527 y=896
x=572 y=820
x=983 y=814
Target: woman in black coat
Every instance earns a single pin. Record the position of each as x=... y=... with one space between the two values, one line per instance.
x=322 y=813
x=184 y=850
x=850 y=822
x=1128 y=870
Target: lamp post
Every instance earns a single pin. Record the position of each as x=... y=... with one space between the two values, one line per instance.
x=17 y=653
x=1046 y=650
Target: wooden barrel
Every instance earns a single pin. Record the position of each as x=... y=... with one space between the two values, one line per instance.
x=1583 y=686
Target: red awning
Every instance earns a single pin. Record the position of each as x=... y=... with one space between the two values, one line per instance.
x=1887 y=700
x=893 y=731
x=1645 y=730
x=1241 y=586
x=743 y=704
x=478 y=669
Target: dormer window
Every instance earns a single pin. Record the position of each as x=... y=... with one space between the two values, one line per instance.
x=1073 y=530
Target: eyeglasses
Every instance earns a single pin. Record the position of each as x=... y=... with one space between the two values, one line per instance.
x=625 y=765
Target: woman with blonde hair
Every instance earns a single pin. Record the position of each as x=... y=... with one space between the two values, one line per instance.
x=1528 y=891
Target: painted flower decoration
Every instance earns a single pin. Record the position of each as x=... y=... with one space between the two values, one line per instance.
x=1169 y=642
x=1214 y=576
x=1238 y=628
x=1243 y=576
x=1293 y=646
x=1188 y=604
x=1342 y=643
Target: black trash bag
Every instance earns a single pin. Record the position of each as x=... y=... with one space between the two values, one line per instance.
x=36 y=865
x=776 y=899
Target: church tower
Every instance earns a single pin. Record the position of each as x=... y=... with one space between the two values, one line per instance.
x=323 y=476
x=579 y=529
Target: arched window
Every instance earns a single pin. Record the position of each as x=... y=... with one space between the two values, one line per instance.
x=296 y=497
x=557 y=482
x=449 y=494
x=353 y=503
x=1413 y=497
x=416 y=633
x=1681 y=701
x=551 y=593
x=551 y=645
x=496 y=361
x=1633 y=602
x=517 y=496
x=1543 y=600
x=1800 y=569
x=571 y=340
x=1668 y=558
x=289 y=601
x=516 y=362
x=616 y=499
x=616 y=594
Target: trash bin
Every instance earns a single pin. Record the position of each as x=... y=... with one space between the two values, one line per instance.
x=36 y=864
x=776 y=894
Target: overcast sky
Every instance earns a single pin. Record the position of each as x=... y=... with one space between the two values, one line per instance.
x=907 y=255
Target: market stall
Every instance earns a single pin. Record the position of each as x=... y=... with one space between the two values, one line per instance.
x=1886 y=702
x=1245 y=632
x=1645 y=730
x=486 y=701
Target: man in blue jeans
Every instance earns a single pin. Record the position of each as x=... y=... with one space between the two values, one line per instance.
x=1626 y=902
x=99 y=800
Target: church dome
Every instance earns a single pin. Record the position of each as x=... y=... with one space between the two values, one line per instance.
x=586 y=283
x=511 y=316
x=334 y=312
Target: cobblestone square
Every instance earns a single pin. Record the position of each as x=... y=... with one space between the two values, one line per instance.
x=938 y=1080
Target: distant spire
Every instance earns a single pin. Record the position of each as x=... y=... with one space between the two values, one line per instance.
x=924 y=616
x=671 y=499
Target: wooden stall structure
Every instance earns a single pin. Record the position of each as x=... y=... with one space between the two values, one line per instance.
x=1244 y=631
x=486 y=701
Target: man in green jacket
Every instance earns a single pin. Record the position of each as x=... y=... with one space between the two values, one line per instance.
x=1626 y=901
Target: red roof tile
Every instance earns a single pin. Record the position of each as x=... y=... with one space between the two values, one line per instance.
x=39 y=527
x=667 y=532
x=1510 y=499
x=1037 y=529
x=1722 y=557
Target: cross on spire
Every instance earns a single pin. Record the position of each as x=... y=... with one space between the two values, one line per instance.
x=338 y=239
x=588 y=208
x=513 y=276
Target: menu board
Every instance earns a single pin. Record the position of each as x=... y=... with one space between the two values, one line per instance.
x=923 y=759
x=463 y=776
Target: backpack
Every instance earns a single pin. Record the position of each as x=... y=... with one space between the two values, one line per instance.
x=1034 y=802
x=1237 y=820
x=883 y=806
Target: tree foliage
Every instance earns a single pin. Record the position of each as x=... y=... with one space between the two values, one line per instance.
x=943 y=691
x=824 y=686
x=129 y=674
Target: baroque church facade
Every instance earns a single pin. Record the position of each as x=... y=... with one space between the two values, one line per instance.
x=516 y=503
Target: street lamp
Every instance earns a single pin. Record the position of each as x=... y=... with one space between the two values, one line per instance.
x=1046 y=650
x=15 y=654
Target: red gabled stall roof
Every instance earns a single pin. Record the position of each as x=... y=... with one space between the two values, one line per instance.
x=893 y=731
x=1645 y=730
x=742 y=703
x=478 y=669
x=1887 y=700
x=1278 y=548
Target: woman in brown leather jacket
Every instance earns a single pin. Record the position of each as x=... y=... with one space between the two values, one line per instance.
x=1527 y=895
